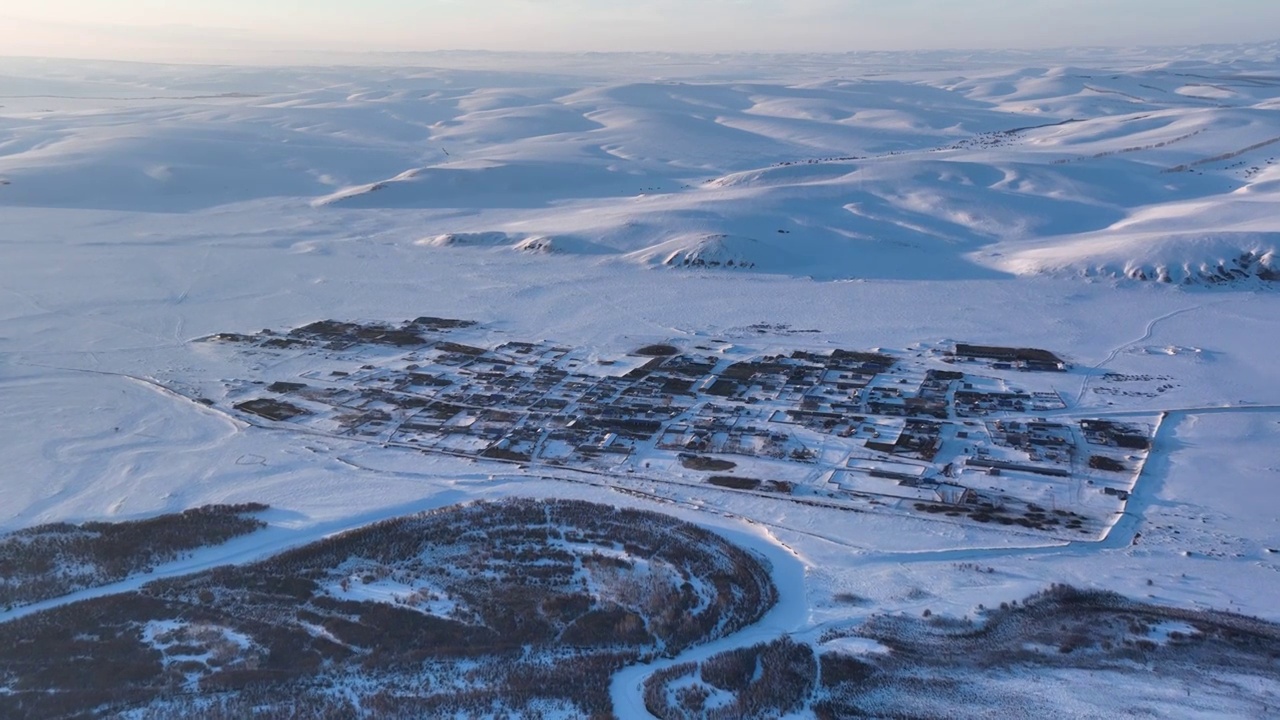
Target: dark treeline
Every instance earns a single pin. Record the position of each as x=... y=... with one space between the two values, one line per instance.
x=536 y=605
x=47 y=561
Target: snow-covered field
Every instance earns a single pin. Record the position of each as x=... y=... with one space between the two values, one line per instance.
x=882 y=201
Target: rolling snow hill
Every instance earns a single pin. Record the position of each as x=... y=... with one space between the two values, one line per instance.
x=1162 y=171
x=591 y=212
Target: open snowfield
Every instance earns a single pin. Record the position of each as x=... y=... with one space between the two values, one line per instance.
x=1120 y=208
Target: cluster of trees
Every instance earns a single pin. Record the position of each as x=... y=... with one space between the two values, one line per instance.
x=320 y=703
x=930 y=668
x=47 y=561
x=1060 y=628
x=532 y=631
x=765 y=681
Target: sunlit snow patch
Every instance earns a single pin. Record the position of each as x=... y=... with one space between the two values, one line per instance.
x=729 y=252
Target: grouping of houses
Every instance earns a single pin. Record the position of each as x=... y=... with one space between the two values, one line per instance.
x=867 y=422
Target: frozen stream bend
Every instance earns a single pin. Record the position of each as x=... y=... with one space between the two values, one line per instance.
x=789 y=615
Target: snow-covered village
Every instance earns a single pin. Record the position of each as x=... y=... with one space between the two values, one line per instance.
x=703 y=361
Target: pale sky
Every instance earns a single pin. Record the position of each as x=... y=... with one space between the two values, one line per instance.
x=203 y=30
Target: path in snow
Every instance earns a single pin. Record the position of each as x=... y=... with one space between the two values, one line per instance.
x=1146 y=335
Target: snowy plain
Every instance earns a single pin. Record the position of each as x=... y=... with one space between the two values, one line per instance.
x=609 y=201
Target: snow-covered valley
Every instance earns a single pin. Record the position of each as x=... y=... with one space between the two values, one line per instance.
x=1118 y=209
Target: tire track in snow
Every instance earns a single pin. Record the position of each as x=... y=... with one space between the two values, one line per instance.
x=1146 y=335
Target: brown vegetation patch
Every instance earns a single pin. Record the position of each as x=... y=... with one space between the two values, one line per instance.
x=699 y=462
x=735 y=483
x=660 y=350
